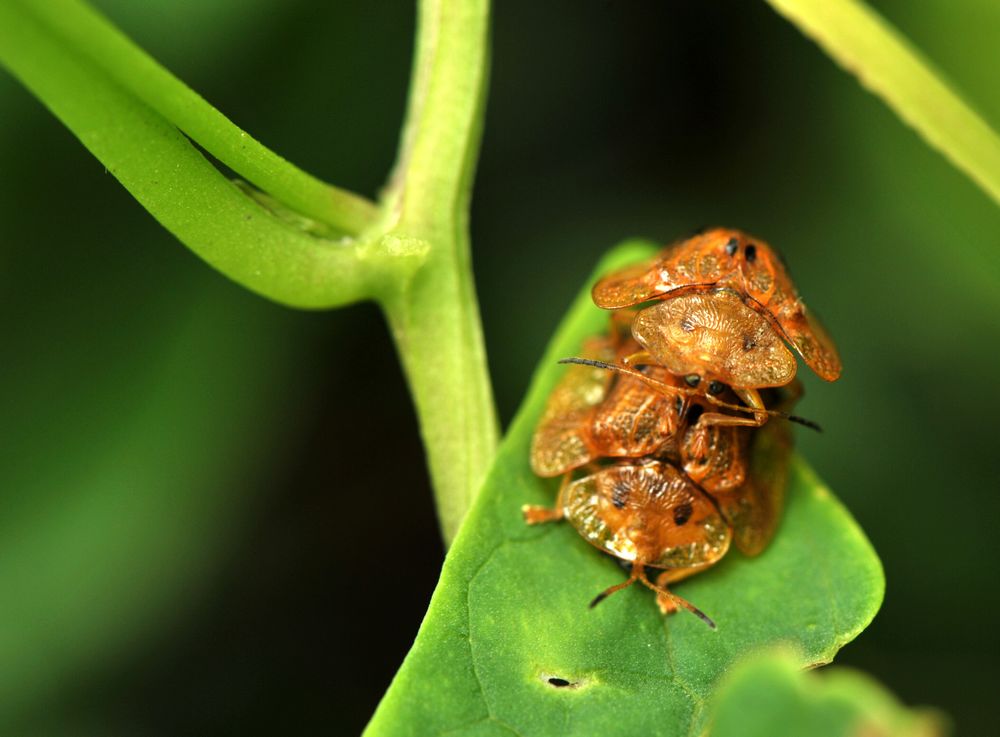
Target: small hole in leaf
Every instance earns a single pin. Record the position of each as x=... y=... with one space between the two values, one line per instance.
x=558 y=682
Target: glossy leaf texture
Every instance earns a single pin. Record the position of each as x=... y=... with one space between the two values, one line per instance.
x=770 y=696
x=509 y=645
x=885 y=63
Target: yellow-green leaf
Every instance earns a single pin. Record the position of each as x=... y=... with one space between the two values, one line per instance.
x=770 y=696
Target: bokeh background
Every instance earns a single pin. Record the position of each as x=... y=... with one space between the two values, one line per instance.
x=214 y=513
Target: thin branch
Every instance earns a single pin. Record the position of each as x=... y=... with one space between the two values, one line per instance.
x=234 y=232
x=82 y=29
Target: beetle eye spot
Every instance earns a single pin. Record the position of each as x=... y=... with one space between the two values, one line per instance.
x=716 y=387
x=682 y=513
x=750 y=252
x=731 y=246
x=692 y=380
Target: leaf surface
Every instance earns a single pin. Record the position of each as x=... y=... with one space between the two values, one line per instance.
x=510 y=611
x=770 y=696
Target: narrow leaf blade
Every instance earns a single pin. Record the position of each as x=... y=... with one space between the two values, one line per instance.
x=867 y=46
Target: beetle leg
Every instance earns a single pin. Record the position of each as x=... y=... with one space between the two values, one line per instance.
x=751 y=397
x=636 y=575
x=640 y=358
x=699 y=442
x=672 y=575
x=536 y=515
x=717 y=418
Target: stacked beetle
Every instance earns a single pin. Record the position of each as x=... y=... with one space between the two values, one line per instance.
x=677 y=419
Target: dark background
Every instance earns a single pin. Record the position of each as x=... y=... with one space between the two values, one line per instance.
x=215 y=513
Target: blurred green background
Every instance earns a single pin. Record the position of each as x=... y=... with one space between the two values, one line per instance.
x=215 y=513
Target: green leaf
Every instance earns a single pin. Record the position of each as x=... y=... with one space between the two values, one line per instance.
x=770 y=696
x=862 y=42
x=510 y=610
x=141 y=145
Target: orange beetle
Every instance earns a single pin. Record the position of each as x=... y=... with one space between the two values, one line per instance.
x=713 y=337
x=754 y=509
x=714 y=456
x=609 y=410
x=645 y=510
x=648 y=513
x=724 y=257
x=594 y=414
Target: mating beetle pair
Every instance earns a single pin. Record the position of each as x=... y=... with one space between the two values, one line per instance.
x=669 y=414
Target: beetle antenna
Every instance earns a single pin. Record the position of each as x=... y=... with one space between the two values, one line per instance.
x=667 y=389
x=675 y=598
x=804 y=422
x=617 y=587
x=770 y=412
x=600 y=365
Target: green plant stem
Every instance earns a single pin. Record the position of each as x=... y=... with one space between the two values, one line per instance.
x=411 y=254
x=862 y=42
x=83 y=30
x=435 y=319
x=183 y=189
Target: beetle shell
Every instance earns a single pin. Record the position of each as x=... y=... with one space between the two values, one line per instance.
x=723 y=467
x=724 y=257
x=715 y=335
x=754 y=509
x=648 y=512
x=592 y=413
x=561 y=442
